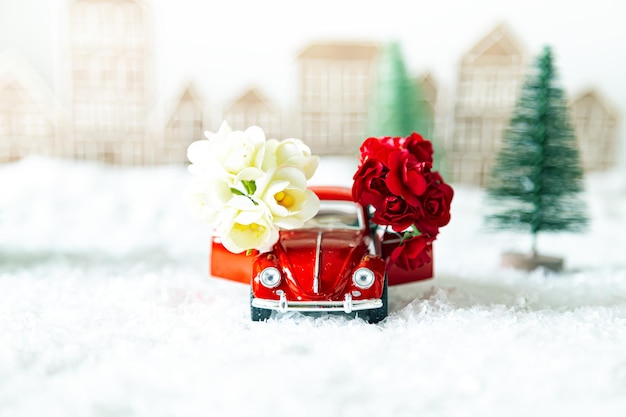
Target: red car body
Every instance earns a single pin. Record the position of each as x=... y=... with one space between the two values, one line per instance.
x=335 y=263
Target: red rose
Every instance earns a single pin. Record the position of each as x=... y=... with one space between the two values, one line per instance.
x=436 y=205
x=406 y=176
x=395 y=212
x=411 y=254
x=369 y=186
x=395 y=178
x=378 y=148
x=419 y=147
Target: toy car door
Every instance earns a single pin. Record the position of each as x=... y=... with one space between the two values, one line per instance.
x=397 y=275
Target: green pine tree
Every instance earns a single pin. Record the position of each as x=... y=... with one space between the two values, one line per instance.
x=397 y=106
x=537 y=176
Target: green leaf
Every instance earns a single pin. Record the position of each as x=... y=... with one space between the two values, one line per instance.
x=411 y=233
x=236 y=191
x=249 y=185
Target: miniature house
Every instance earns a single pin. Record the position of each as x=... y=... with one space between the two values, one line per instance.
x=253 y=109
x=335 y=80
x=431 y=101
x=490 y=78
x=595 y=123
x=186 y=124
x=110 y=71
x=428 y=88
x=28 y=113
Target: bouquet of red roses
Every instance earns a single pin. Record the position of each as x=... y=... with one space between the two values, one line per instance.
x=395 y=178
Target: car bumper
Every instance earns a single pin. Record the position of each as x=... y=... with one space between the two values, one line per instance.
x=347 y=305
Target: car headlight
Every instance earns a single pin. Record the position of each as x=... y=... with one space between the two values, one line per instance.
x=270 y=277
x=363 y=278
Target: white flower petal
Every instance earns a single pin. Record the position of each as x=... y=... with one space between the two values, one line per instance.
x=237 y=237
x=241 y=202
x=224 y=129
x=295 y=176
x=276 y=186
x=271 y=241
x=255 y=135
x=248 y=174
x=310 y=166
x=310 y=207
x=269 y=156
x=250 y=216
x=199 y=152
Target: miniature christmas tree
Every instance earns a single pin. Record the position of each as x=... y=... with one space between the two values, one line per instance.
x=397 y=106
x=537 y=176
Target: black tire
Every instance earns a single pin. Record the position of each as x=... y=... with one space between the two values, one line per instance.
x=258 y=314
x=378 y=314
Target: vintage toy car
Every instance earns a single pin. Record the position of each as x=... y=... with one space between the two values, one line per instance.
x=335 y=263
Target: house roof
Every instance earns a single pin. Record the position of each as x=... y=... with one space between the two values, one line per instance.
x=250 y=97
x=15 y=69
x=428 y=85
x=592 y=94
x=499 y=46
x=340 y=50
x=188 y=95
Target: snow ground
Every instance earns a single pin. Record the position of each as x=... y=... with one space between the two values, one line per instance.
x=106 y=309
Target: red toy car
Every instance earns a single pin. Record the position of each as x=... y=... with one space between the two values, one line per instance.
x=335 y=263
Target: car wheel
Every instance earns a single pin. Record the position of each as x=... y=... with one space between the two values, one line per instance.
x=378 y=314
x=258 y=314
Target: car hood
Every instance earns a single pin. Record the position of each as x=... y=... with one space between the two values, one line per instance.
x=338 y=253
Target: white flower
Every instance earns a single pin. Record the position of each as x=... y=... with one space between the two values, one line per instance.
x=284 y=192
x=246 y=225
x=227 y=153
x=290 y=152
x=235 y=150
x=249 y=187
x=207 y=197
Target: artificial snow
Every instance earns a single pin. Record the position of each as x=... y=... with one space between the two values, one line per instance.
x=107 y=309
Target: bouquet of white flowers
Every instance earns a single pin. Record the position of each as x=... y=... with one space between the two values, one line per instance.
x=249 y=188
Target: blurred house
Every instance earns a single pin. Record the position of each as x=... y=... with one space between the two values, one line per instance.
x=437 y=107
x=185 y=124
x=595 y=123
x=254 y=109
x=335 y=82
x=429 y=91
x=108 y=112
x=490 y=77
x=111 y=75
x=29 y=113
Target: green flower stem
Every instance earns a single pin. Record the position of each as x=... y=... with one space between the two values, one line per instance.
x=249 y=186
x=410 y=234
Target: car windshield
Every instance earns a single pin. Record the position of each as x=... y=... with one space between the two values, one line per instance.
x=337 y=215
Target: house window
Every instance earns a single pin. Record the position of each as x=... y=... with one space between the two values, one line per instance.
x=473 y=133
x=34 y=125
x=80 y=72
x=107 y=72
x=134 y=73
x=353 y=128
x=83 y=114
x=5 y=125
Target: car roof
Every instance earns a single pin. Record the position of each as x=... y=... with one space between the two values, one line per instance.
x=333 y=193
